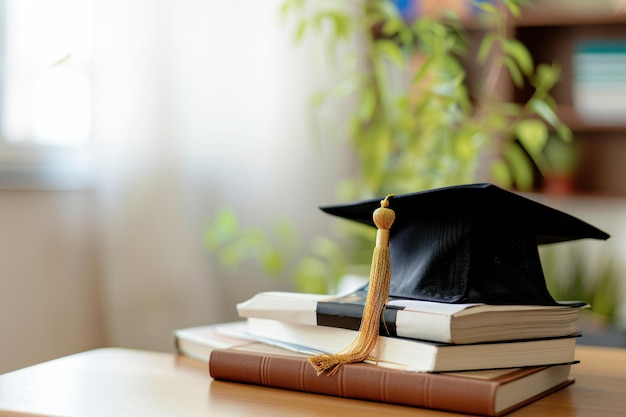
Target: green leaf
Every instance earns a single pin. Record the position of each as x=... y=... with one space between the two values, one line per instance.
x=224 y=228
x=463 y=149
x=516 y=50
x=230 y=256
x=606 y=293
x=387 y=10
x=347 y=189
x=485 y=7
x=375 y=154
x=425 y=66
x=486 y=46
x=391 y=27
x=347 y=87
x=550 y=101
x=564 y=132
x=561 y=156
x=289 y=5
x=273 y=262
x=533 y=134
x=367 y=106
x=453 y=68
x=317 y=99
x=286 y=233
x=547 y=76
x=392 y=51
x=405 y=35
x=341 y=23
x=311 y=276
x=325 y=248
x=520 y=166
x=514 y=9
x=516 y=75
x=500 y=173
x=285 y=8
x=300 y=31
x=510 y=109
x=543 y=110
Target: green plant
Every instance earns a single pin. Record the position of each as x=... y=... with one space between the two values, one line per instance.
x=432 y=130
x=414 y=122
x=583 y=279
x=318 y=264
x=563 y=157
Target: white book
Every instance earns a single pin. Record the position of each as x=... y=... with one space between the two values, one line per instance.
x=420 y=356
x=439 y=322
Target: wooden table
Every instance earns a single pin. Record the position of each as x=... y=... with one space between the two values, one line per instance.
x=122 y=382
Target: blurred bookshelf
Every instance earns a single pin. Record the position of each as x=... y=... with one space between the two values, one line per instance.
x=588 y=40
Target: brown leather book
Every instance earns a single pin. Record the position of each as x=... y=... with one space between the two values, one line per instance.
x=489 y=393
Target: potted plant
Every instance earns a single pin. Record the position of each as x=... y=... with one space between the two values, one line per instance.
x=415 y=121
x=563 y=158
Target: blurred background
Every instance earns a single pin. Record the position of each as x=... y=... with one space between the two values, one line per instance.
x=127 y=125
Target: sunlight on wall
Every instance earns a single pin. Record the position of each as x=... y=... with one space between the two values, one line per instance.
x=47 y=92
x=199 y=104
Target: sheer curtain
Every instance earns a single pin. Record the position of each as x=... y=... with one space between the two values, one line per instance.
x=199 y=104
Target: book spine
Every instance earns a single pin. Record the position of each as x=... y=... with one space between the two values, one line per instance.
x=348 y=316
x=357 y=381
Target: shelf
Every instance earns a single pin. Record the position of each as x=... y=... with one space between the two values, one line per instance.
x=568 y=115
x=552 y=35
x=546 y=16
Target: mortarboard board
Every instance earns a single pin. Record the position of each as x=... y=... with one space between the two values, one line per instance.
x=470 y=243
x=473 y=243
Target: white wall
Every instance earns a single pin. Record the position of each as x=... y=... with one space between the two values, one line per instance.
x=49 y=288
x=200 y=105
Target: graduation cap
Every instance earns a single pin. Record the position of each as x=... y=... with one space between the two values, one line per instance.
x=474 y=243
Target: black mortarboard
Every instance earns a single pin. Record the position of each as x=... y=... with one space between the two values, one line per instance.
x=473 y=243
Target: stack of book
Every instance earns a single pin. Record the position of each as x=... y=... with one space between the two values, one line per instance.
x=470 y=358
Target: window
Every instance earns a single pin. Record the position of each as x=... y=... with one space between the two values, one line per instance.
x=45 y=91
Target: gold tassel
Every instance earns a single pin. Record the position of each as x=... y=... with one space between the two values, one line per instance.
x=375 y=302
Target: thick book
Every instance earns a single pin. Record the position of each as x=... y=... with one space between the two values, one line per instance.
x=420 y=355
x=489 y=393
x=198 y=342
x=439 y=322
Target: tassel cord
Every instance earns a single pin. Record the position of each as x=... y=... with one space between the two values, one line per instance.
x=375 y=302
